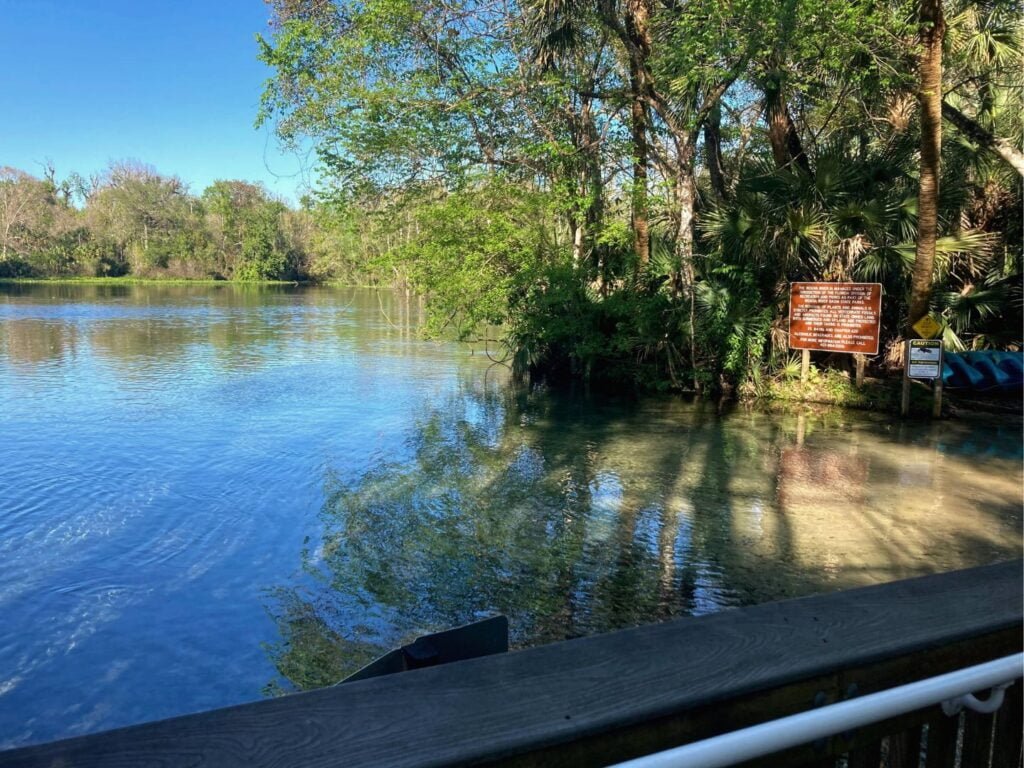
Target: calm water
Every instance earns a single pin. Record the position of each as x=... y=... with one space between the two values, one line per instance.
x=209 y=494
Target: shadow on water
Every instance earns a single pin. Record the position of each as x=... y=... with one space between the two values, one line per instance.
x=575 y=517
x=169 y=448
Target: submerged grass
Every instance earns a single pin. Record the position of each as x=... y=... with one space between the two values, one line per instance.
x=836 y=388
x=832 y=387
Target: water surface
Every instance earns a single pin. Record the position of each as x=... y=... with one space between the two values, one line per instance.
x=209 y=494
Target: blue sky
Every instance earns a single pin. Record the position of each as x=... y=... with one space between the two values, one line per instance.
x=173 y=83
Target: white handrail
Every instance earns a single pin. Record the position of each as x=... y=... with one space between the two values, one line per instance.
x=776 y=735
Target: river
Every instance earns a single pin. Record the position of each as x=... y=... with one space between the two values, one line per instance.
x=209 y=494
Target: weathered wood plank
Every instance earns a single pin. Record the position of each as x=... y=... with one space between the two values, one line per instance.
x=702 y=722
x=905 y=749
x=1010 y=729
x=557 y=700
x=977 y=740
x=940 y=751
x=867 y=756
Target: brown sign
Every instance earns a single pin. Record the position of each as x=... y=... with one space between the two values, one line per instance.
x=835 y=317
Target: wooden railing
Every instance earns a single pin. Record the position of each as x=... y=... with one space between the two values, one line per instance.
x=601 y=700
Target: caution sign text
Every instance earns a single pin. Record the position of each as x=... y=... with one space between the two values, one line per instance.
x=835 y=317
x=924 y=358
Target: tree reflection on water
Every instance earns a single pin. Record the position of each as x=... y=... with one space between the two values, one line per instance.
x=575 y=518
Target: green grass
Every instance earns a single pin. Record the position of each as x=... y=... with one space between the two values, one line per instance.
x=831 y=387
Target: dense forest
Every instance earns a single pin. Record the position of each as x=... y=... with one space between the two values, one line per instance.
x=618 y=190
x=131 y=220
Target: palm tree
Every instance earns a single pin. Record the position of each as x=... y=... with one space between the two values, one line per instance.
x=933 y=30
x=984 y=59
x=558 y=28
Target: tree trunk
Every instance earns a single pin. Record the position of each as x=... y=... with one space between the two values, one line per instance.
x=578 y=235
x=933 y=28
x=782 y=134
x=638 y=214
x=713 y=152
x=979 y=135
x=635 y=30
x=686 y=192
x=592 y=181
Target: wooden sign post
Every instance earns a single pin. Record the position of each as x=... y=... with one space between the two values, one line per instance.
x=835 y=317
x=922 y=360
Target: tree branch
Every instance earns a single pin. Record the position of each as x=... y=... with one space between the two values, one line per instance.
x=976 y=133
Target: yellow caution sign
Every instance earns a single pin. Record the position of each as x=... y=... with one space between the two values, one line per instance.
x=926 y=327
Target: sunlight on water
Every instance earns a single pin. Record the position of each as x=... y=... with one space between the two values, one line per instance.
x=211 y=492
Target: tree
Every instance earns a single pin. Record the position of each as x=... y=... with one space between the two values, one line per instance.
x=25 y=202
x=141 y=213
x=247 y=224
x=981 y=136
x=263 y=255
x=396 y=92
x=571 y=58
x=983 y=98
x=933 y=28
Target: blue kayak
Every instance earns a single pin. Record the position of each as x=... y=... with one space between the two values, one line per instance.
x=984 y=370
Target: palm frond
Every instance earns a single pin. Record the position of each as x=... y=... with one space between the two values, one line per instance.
x=883 y=264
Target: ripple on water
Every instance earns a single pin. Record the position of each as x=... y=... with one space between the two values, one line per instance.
x=203 y=490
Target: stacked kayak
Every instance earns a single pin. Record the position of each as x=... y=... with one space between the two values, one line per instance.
x=987 y=370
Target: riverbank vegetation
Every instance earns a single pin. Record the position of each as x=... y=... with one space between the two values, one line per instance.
x=129 y=220
x=618 y=192
x=627 y=189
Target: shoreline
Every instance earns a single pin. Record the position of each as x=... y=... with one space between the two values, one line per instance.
x=128 y=280
x=829 y=388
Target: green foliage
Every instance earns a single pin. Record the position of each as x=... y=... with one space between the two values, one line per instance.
x=560 y=329
x=262 y=253
x=831 y=387
x=734 y=325
x=383 y=84
x=470 y=249
x=135 y=221
x=855 y=219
